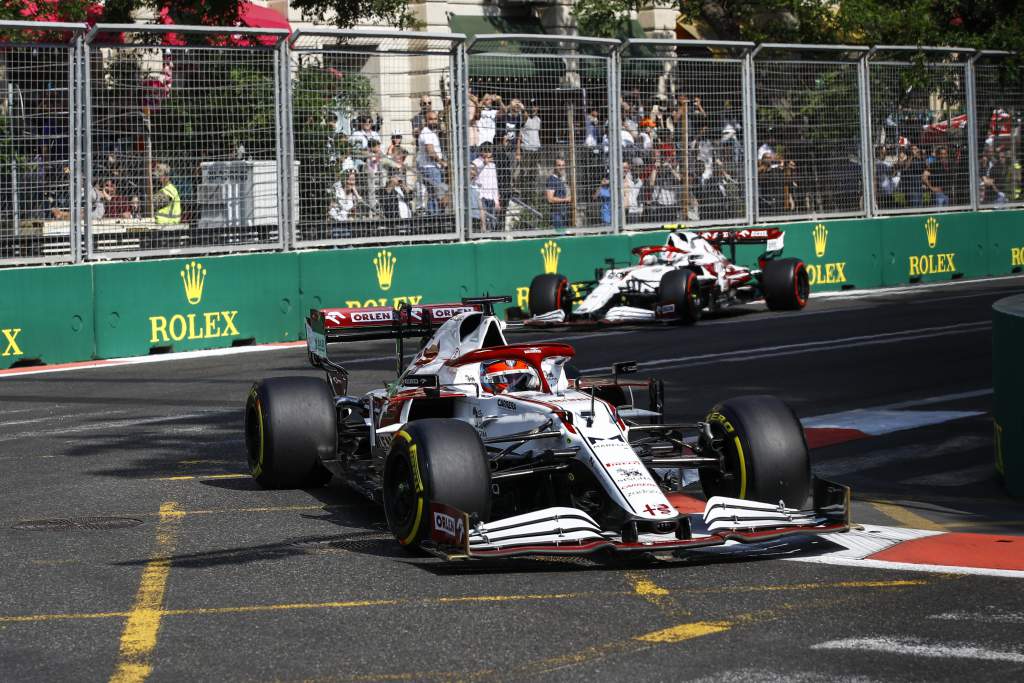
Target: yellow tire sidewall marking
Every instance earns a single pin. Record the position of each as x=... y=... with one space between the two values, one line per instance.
x=414 y=464
x=258 y=469
x=727 y=426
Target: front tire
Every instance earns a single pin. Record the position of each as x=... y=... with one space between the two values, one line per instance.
x=291 y=426
x=434 y=460
x=680 y=290
x=765 y=453
x=785 y=284
x=550 y=292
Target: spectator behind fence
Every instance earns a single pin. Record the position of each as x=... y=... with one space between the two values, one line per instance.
x=506 y=157
x=665 y=183
x=420 y=119
x=58 y=200
x=484 y=179
x=98 y=199
x=994 y=174
x=361 y=138
x=603 y=195
x=396 y=141
x=886 y=179
x=118 y=205
x=486 y=125
x=911 y=169
x=345 y=205
x=430 y=162
x=937 y=178
x=166 y=201
x=557 y=194
x=394 y=200
x=631 y=188
x=530 y=149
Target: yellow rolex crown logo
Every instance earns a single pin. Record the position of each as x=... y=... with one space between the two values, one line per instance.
x=820 y=233
x=193 y=276
x=550 y=251
x=931 y=228
x=384 y=262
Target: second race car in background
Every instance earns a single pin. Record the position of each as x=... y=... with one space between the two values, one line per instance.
x=679 y=281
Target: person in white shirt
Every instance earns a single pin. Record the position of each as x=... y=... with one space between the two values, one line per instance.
x=430 y=162
x=485 y=182
x=488 y=116
x=345 y=204
x=360 y=140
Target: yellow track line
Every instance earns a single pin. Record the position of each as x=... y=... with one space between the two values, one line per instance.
x=140 y=631
x=906 y=517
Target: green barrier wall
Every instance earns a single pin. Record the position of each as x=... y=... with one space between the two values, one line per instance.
x=1007 y=378
x=46 y=315
x=387 y=276
x=202 y=303
x=59 y=314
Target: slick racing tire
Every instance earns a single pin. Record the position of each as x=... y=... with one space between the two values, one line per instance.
x=765 y=454
x=434 y=460
x=291 y=426
x=785 y=284
x=550 y=292
x=680 y=290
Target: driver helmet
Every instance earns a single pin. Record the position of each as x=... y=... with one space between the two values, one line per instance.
x=679 y=240
x=501 y=376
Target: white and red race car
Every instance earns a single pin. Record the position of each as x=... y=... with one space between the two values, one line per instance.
x=481 y=448
x=678 y=281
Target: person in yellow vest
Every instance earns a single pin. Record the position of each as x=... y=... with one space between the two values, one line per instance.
x=167 y=201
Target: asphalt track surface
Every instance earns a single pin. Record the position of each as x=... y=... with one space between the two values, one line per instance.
x=134 y=547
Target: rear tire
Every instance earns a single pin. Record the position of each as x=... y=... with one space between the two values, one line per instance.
x=550 y=292
x=680 y=290
x=785 y=284
x=291 y=426
x=434 y=460
x=766 y=456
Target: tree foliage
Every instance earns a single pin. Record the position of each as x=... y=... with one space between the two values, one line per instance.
x=989 y=24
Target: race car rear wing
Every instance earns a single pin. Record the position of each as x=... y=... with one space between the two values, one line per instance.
x=328 y=325
x=772 y=238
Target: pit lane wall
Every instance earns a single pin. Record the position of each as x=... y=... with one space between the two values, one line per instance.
x=60 y=314
x=1007 y=378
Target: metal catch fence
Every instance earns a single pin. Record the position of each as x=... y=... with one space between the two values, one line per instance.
x=127 y=141
x=999 y=109
x=183 y=140
x=684 y=127
x=376 y=136
x=809 y=132
x=39 y=125
x=920 y=150
x=538 y=142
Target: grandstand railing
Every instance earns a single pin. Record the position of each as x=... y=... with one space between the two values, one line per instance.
x=275 y=141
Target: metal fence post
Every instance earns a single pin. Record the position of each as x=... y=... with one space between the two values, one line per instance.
x=284 y=172
x=867 y=145
x=460 y=169
x=79 y=86
x=971 y=107
x=749 y=138
x=618 y=211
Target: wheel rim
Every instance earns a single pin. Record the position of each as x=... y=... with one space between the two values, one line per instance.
x=400 y=494
x=801 y=285
x=727 y=481
x=254 y=437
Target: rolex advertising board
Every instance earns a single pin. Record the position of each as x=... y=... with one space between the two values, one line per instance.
x=46 y=315
x=387 y=276
x=933 y=248
x=1005 y=242
x=197 y=303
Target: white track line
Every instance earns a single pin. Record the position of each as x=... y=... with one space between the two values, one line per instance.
x=992 y=615
x=743 y=355
x=908 y=566
x=919 y=648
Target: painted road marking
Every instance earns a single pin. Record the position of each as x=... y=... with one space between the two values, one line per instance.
x=681 y=632
x=874 y=422
x=821 y=345
x=140 y=631
x=235 y=475
x=991 y=615
x=919 y=648
x=906 y=517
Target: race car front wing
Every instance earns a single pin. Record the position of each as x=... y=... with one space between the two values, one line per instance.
x=568 y=531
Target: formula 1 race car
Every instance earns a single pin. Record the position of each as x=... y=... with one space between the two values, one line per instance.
x=678 y=281
x=481 y=448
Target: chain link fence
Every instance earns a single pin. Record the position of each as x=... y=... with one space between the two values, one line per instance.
x=376 y=136
x=183 y=140
x=920 y=150
x=809 y=132
x=684 y=122
x=999 y=107
x=39 y=209
x=123 y=141
x=538 y=136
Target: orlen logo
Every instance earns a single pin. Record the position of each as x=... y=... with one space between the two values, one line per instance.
x=930 y=264
x=449 y=526
x=824 y=273
x=211 y=324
